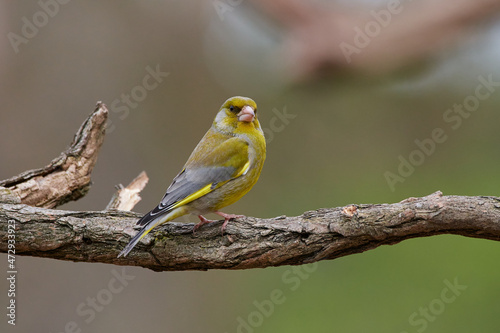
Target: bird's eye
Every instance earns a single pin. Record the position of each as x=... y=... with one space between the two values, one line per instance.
x=231 y=108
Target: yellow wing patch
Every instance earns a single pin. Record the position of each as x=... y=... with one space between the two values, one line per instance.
x=243 y=170
x=198 y=194
x=209 y=188
x=230 y=153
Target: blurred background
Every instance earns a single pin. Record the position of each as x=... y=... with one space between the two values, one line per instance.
x=346 y=92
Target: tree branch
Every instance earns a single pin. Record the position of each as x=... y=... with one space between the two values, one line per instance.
x=248 y=242
x=127 y=197
x=67 y=177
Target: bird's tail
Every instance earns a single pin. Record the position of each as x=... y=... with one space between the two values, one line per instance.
x=150 y=225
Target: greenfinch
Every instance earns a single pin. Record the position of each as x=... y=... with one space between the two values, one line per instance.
x=223 y=167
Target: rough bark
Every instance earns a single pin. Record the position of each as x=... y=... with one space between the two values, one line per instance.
x=67 y=177
x=249 y=242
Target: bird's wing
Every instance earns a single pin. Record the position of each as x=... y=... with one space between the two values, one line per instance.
x=204 y=172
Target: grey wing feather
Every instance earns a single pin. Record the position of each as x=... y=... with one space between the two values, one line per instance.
x=187 y=182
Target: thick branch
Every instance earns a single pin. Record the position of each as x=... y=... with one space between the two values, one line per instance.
x=67 y=177
x=248 y=242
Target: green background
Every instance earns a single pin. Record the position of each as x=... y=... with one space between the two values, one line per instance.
x=348 y=131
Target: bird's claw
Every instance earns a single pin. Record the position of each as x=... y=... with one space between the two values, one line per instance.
x=226 y=217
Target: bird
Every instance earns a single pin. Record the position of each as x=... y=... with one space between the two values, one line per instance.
x=223 y=167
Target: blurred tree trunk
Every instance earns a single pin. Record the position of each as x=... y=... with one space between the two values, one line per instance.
x=322 y=38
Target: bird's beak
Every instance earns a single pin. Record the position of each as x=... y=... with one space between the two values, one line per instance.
x=246 y=114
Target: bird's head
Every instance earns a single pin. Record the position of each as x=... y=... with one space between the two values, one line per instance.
x=237 y=115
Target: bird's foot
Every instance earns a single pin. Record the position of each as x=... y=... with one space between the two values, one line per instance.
x=203 y=220
x=227 y=217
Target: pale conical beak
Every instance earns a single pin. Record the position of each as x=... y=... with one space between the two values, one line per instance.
x=246 y=114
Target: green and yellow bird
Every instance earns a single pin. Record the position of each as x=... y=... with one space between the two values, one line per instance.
x=223 y=167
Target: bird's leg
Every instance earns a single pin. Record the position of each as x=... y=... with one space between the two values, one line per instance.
x=227 y=217
x=203 y=220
